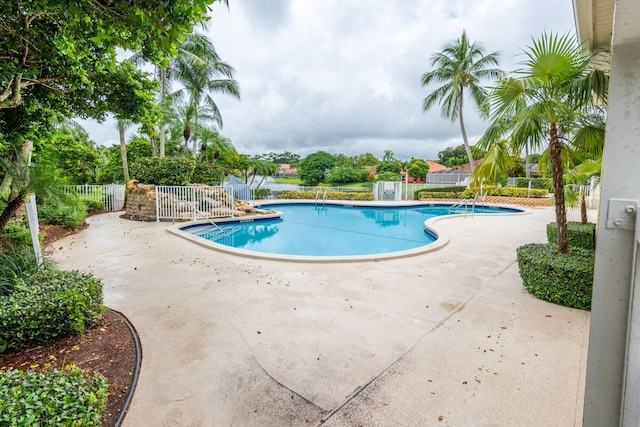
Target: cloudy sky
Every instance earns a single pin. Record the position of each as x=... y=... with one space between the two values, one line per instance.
x=344 y=76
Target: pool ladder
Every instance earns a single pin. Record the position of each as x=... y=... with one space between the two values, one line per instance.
x=324 y=197
x=464 y=206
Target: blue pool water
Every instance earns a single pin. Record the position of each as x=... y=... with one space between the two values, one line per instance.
x=331 y=230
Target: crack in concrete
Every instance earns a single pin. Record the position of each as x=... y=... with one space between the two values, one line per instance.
x=314 y=405
x=363 y=387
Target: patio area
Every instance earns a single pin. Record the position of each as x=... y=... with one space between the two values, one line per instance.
x=447 y=338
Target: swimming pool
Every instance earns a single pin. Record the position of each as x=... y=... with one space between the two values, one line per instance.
x=310 y=231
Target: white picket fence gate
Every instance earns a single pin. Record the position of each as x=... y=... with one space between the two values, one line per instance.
x=193 y=202
x=110 y=195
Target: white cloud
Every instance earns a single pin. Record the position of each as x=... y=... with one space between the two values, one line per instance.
x=344 y=75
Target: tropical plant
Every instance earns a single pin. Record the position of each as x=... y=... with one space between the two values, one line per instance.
x=202 y=72
x=21 y=177
x=580 y=177
x=261 y=167
x=461 y=64
x=550 y=102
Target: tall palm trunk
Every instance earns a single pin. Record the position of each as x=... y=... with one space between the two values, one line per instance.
x=555 y=151
x=194 y=154
x=186 y=134
x=464 y=134
x=163 y=95
x=583 y=208
x=123 y=151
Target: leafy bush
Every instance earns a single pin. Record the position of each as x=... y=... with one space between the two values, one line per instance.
x=15 y=238
x=163 y=170
x=331 y=195
x=565 y=279
x=347 y=175
x=94 y=205
x=48 y=305
x=70 y=213
x=262 y=193
x=69 y=397
x=543 y=183
x=14 y=266
x=206 y=173
x=580 y=235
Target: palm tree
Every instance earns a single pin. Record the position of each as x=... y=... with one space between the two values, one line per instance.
x=202 y=72
x=21 y=177
x=552 y=102
x=581 y=176
x=123 y=124
x=189 y=120
x=198 y=68
x=461 y=64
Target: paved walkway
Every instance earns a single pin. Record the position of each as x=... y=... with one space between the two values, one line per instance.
x=447 y=338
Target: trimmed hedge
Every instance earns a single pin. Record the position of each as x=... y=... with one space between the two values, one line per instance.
x=493 y=190
x=455 y=189
x=70 y=397
x=48 y=305
x=437 y=195
x=331 y=195
x=163 y=170
x=544 y=183
x=580 y=235
x=564 y=279
x=470 y=193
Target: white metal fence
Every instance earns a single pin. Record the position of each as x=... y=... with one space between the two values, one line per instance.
x=192 y=202
x=387 y=190
x=111 y=195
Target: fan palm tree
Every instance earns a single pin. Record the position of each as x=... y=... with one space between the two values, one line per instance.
x=580 y=177
x=461 y=64
x=552 y=102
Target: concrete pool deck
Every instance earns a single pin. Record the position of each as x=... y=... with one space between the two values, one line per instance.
x=446 y=338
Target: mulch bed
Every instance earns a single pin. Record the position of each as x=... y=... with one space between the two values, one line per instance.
x=106 y=347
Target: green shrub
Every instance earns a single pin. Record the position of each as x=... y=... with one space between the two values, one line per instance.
x=93 y=205
x=565 y=279
x=470 y=193
x=71 y=213
x=163 y=170
x=455 y=189
x=48 y=305
x=493 y=190
x=580 y=235
x=15 y=238
x=69 y=397
x=331 y=195
x=437 y=195
x=543 y=183
x=262 y=193
x=206 y=173
x=14 y=266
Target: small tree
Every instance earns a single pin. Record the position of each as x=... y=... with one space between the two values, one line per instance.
x=312 y=168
